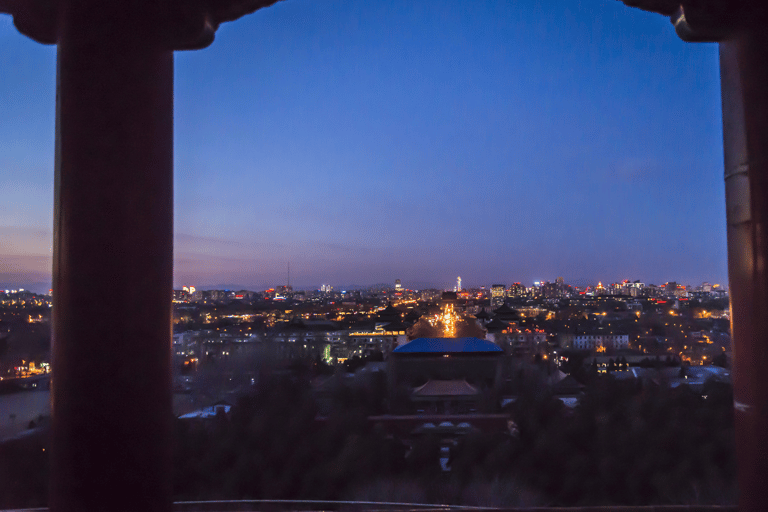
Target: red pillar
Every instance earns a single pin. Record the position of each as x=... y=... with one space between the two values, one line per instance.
x=744 y=75
x=113 y=263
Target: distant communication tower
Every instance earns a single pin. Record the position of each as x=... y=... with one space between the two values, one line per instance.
x=458 y=284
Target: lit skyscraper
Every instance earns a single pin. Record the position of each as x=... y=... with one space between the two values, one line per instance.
x=497 y=295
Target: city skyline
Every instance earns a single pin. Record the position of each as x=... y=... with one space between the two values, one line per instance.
x=42 y=287
x=418 y=142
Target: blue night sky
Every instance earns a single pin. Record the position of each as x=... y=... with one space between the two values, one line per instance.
x=365 y=141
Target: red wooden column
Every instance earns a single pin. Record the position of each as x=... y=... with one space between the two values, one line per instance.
x=744 y=75
x=113 y=263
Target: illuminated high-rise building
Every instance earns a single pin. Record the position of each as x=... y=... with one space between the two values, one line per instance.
x=458 y=284
x=497 y=295
x=398 y=285
x=516 y=290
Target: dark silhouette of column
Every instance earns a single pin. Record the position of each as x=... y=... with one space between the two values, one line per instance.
x=744 y=74
x=113 y=240
x=113 y=264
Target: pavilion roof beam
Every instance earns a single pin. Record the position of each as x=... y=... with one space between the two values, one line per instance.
x=177 y=24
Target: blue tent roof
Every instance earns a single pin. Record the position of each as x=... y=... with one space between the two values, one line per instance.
x=447 y=345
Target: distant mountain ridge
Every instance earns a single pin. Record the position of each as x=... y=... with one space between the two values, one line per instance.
x=236 y=287
x=36 y=287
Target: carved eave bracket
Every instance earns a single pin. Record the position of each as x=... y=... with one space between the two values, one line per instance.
x=36 y=19
x=177 y=24
x=192 y=24
x=701 y=20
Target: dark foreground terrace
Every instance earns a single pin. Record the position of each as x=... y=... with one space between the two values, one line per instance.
x=369 y=506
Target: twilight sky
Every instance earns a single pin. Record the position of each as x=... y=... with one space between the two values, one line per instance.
x=365 y=141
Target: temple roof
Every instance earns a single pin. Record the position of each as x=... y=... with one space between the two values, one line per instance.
x=447 y=345
x=504 y=310
x=296 y=323
x=389 y=312
x=459 y=387
x=412 y=316
x=568 y=386
x=396 y=326
x=483 y=315
x=497 y=325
